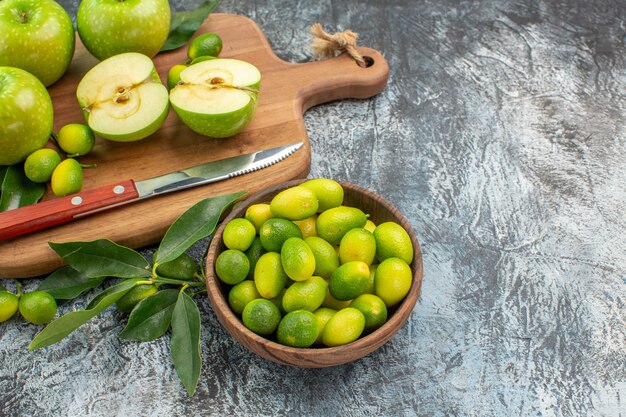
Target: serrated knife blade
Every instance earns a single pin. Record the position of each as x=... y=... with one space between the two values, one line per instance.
x=53 y=212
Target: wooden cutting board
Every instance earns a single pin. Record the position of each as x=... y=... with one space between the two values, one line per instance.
x=287 y=91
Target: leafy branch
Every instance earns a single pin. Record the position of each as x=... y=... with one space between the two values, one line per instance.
x=158 y=302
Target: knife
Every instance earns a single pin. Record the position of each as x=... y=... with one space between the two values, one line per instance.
x=20 y=221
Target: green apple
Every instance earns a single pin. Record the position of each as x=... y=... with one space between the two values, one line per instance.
x=123 y=98
x=36 y=36
x=25 y=115
x=112 y=27
x=218 y=97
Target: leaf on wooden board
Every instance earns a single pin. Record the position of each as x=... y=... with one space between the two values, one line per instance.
x=17 y=190
x=67 y=283
x=101 y=258
x=151 y=317
x=184 y=24
x=3 y=171
x=196 y=223
x=185 y=342
x=64 y=325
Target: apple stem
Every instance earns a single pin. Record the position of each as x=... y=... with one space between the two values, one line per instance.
x=23 y=17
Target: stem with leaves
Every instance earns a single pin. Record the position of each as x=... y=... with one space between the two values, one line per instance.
x=90 y=263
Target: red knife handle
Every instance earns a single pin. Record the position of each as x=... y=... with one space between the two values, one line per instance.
x=23 y=220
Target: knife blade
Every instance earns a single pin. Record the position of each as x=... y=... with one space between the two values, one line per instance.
x=24 y=220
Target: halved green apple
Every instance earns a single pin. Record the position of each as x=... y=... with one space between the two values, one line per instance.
x=123 y=98
x=217 y=97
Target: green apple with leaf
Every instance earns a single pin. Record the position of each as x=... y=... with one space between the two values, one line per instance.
x=217 y=97
x=25 y=115
x=111 y=27
x=36 y=36
x=123 y=98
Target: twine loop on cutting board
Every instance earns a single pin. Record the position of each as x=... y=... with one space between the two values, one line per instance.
x=326 y=45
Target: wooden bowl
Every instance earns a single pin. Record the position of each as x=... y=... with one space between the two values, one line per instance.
x=314 y=357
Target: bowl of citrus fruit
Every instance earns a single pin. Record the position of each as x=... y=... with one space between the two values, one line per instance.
x=314 y=273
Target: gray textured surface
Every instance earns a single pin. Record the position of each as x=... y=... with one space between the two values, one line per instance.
x=501 y=137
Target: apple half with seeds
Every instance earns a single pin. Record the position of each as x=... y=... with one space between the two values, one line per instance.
x=218 y=97
x=122 y=98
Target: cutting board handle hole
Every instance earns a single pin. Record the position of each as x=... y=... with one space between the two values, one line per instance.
x=369 y=61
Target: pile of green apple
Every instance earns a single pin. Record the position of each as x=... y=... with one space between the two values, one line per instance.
x=37 y=46
x=122 y=97
x=38 y=35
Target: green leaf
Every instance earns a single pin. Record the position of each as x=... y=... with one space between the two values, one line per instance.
x=184 y=24
x=3 y=171
x=185 y=342
x=66 y=324
x=151 y=317
x=196 y=223
x=112 y=289
x=17 y=190
x=67 y=283
x=101 y=258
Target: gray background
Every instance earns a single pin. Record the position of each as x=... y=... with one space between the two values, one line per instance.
x=501 y=138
